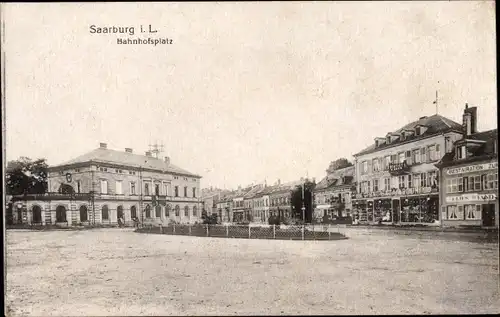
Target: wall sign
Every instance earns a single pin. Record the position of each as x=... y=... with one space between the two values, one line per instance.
x=471 y=198
x=472 y=168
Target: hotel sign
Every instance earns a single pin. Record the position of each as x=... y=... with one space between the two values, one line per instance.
x=472 y=168
x=471 y=198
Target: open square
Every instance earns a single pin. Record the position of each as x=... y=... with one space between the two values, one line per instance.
x=120 y=272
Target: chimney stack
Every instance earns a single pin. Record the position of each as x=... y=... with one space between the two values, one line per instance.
x=167 y=159
x=148 y=153
x=103 y=145
x=469 y=120
x=128 y=150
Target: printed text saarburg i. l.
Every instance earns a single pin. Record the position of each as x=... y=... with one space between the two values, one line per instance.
x=130 y=30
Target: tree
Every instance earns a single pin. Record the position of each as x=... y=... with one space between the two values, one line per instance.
x=296 y=200
x=339 y=164
x=25 y=176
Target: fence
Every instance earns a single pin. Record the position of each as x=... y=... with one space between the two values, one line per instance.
x=307 y=232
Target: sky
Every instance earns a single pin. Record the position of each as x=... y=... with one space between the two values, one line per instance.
x=247 y=92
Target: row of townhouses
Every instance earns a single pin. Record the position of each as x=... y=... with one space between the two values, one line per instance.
x=432 y=171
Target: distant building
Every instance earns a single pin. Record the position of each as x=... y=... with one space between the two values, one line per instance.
x=469 y=177
x=332 y=195
x=105 y=185
x=397 y=181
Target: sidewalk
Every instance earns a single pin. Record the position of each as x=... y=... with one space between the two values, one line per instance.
x=422 y=228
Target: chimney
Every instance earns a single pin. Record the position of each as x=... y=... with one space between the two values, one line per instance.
x=167 y=159
x=148 y=153
x=103 y=145
x=469 y=120
x=279 y=181
x=128 y=150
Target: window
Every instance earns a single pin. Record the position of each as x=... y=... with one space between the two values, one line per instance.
x=194 y=191
x=195 y=211
x=452 y=213
x=186 y=211
x=408 y=157
x=166 y=190
x=157 y=189
x=158 y=211
x=472 y=212
x=104 y=186
x=387 y=162
x=387 y=184
x=416 y=156
x=394 y=158
x=369 y=186
x=146 y=189
x=148 y=211
x=105 y=213
x=423 y=155
x=376 y=166
x=133 y=212
x=454 y=185
x=364 y=167
x=401 y=157
x=394 y=182
x=438 y=152
x=432 y=179
x=423 y=180
x=167 y=211
x=408 y=180
x=176 y=189
x=461 y=152
x=185 y=191
x=477 y=182
x=431 y=153
x=177 y=211
x=401 y=181
x=375 y=185
x=416 y=180
x=78 y=186
x=492 y=181
x=119 y=188
x=132 y=188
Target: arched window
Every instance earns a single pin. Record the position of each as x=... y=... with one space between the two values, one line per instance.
x=60 y=214
x=37 y=214
x=195 y=211
x=177 y=210
x=133 y=212
x=83 y=213
x=158 y=211
x=148 y=211
x=105 y=212
x=167 y=210
x=186 y=211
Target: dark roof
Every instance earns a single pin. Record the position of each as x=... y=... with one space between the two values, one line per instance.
x=481 y=152
x=335 y=179
x=101 y=155
x=435 y=124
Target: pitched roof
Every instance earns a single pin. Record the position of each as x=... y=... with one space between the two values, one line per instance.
x=435 y=124
x=101 y=155
x=335 y=178
x=483 y=151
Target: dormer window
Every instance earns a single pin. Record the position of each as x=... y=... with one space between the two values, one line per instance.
x=461 y=152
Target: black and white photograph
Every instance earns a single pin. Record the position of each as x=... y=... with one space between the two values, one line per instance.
x=250 y=158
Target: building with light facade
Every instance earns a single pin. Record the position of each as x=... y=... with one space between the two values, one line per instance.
x=469 y=178
x=396 y=177
x=105 y=185
x=333 y=194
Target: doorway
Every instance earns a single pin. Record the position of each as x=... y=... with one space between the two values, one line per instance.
x=488 y=215
x=395 y=210
x=37 y=214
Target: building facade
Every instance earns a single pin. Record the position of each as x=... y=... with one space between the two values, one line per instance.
x=396 y=179
x=469 y=173
x=333 y=194
x=105 y=185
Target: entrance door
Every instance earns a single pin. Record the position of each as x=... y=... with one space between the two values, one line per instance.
x=488 y=215
x=395 y=211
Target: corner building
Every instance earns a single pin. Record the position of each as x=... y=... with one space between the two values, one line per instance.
x=104 y=185
x=469 y=173
x=396 y=180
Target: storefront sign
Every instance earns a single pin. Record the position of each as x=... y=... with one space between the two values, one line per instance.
x=472 y=168
x=471 y=198
x=398 y=192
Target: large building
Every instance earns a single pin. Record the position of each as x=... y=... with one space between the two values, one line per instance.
x=469 y=177
x=104 y=185
x=332 y=195
x=397 y=181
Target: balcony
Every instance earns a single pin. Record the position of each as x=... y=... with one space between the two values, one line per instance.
x=399 y=168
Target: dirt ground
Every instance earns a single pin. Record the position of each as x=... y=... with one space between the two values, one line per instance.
x=119 y=272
